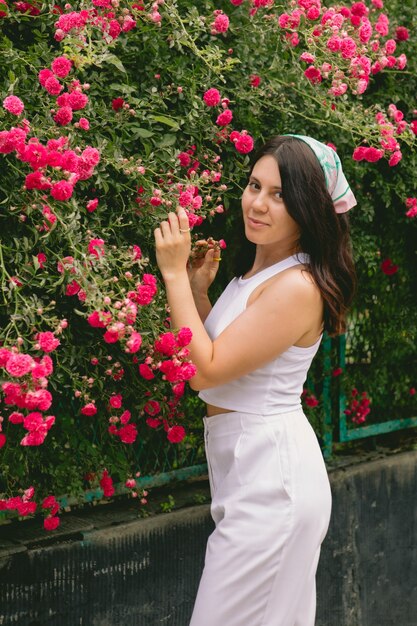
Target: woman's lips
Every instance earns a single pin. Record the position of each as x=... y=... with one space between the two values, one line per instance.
x=256 y=223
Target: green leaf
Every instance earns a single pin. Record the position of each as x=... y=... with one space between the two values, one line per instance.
x=142 y=132
x=166 y=120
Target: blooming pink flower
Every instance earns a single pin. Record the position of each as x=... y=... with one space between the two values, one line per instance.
x=134 y=342
x=224 y=118
x=62 y=190
x=255 y=80
x=153 y=422
x=220 y=24
x=125 y=417
x=244 y=143
x=166 y=344
x=77 y=100
x=99 y=319
x=116 y=401
x=61 y=66
x=2 y=435
x=152 y=407
x=4 y=356
x=401 y=61
x=185 y=158
x=40 y=399
x=72 y=288
x=128 y=433
x=311 y=401
x=96 y=247
x=83 y=123
x=13 y=105
x=53 y=86
x=313 y=74
x=38 y=427
x=401 y=33
x=388 y=267
x=176 y=434
x=212 y=97
x=145 y=294
x=184 y=336
x=106 y=483
x=47 y=341
x=92 y=205
x=19 y=364
x=16 y=417
x=146 y=372
x=348 y=48
x=117 y=104
x=51 y=522
x=395 y=158
x=63 y=116
x=89 y=409
x=51 y=503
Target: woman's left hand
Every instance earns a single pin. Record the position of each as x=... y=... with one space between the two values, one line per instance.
x=173 y=244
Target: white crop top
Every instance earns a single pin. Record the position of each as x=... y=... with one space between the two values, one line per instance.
x=277 y=386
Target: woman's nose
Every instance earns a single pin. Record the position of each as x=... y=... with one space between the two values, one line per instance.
x=259 y=203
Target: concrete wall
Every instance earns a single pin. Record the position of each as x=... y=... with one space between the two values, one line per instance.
x=145 y=572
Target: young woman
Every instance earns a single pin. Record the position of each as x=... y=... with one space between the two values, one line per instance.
x=271 y=498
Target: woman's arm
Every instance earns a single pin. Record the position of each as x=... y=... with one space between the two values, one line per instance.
x=284 y=312
x=203 y=304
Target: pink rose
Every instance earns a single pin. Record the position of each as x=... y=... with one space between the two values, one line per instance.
x=212 y=97
x=13 y=105
x=61 y=66
x=62 y=190
x=176 y=434
x=51 y=522
x=89 y=409
x=19 y=364
x=47 y=341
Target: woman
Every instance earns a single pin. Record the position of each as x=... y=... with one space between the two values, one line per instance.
x=271 y=498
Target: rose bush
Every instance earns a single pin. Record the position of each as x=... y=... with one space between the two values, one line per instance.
x=113 y=113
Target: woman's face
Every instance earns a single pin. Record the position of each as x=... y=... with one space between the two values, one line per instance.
x=266 y=218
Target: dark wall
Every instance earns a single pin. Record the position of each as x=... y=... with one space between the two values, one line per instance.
x=145 y=572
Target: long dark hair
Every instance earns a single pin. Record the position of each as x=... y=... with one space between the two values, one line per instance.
x=324 y=234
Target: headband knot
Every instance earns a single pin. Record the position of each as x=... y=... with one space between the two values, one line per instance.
x=336 y=183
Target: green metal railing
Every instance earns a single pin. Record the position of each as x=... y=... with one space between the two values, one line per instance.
x=335 y=422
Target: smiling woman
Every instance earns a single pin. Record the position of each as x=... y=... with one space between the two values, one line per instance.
x=271 y=499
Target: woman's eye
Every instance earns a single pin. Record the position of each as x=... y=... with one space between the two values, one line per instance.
x=279 y=194
x=253 y=185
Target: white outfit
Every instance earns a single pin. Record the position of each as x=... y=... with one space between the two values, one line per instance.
x=271 y=498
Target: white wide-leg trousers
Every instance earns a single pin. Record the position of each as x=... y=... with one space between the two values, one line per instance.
x=271 y=503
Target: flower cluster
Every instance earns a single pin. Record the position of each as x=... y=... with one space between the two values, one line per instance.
x=358 y=408
x=309 y=399
x=50 y=161
x=127 y=432
x=411 y=204
x=25 y=505
x=107 y=18
x=27 y=388
x=242 y=141
x=389 y=134
x=220 y=24
x=346 y=45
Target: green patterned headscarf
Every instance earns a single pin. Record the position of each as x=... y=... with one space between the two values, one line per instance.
x=337 y=185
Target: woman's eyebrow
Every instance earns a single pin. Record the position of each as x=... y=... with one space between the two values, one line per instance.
x=251 y=177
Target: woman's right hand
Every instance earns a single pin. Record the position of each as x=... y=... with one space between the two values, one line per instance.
x=202 y=271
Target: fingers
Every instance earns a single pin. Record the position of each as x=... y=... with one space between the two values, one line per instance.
x=184 y=223
x=215 y=255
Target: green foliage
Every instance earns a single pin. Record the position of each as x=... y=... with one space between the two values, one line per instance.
x=161 y=72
